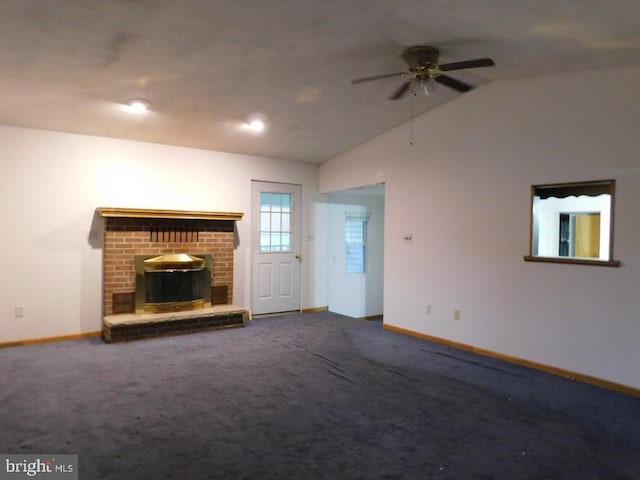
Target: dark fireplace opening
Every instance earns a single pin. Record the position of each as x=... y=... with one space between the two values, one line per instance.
x=173 y=282
x=174 y=286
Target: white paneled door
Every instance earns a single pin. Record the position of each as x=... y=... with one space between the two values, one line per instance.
x=275 y=240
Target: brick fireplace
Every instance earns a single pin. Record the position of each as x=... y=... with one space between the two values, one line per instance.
x=134 y=235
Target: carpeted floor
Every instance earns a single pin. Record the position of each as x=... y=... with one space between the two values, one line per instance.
x=315 y=396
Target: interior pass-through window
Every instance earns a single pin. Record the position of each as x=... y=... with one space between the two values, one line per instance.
x=572 y=223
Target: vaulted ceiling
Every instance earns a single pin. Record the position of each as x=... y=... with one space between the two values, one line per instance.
x=207 y=66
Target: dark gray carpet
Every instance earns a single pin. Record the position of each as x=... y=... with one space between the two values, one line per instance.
x=316 y=396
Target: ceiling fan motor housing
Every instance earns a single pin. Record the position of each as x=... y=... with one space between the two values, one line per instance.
x=421 y=56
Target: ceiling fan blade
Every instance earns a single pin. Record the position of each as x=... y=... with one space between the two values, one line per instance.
x=453 y=83
x=377 y=77
x=399 y=93
x=478 y=62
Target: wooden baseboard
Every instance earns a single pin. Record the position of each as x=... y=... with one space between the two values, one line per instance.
x=35 y=341
x=560 y=372
x=371 y=317
x=315 y=309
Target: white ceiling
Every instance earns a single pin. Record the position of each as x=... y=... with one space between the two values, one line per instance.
x=207 y=65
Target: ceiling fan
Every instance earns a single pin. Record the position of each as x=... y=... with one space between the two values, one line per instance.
x=423 y=68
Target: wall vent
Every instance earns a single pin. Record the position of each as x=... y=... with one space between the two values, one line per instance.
x=171 y=232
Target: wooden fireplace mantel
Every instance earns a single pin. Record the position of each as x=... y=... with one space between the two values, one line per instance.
x=177 y=214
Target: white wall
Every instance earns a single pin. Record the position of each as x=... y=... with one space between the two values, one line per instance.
x=362 y=165
x=463 y=190
x=356 y=295
x=51 y=184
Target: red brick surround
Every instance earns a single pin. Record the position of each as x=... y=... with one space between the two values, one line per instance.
x=125 y=238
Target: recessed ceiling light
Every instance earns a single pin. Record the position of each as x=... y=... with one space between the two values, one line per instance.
x=138 y=105
x=256 y=125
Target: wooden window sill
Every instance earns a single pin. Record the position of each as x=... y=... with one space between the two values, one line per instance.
x=574 y=261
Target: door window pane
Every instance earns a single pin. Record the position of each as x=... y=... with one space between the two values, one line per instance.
x=265 y=201
x=276 y=223
x=286 y=242
x=276 y=201
x=265 y=222
x=265 y=242
x=286 y=222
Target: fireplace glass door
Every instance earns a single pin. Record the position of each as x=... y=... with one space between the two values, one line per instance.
x=173 y=282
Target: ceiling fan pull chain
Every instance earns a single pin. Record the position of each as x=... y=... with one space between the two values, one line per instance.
x=413 y=94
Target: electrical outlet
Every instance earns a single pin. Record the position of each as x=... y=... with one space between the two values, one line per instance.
x=428 y=310
x=19 y=311
x=456 y=314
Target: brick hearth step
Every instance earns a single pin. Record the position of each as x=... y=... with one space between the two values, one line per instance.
x=126 y=327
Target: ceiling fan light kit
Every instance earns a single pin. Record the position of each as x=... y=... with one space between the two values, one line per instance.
x=423 y=69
